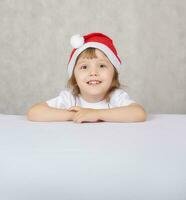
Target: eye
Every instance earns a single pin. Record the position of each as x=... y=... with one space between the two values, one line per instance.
x=83 y=67
x=102 y=66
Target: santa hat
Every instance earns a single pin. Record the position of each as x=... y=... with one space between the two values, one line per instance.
x=96 y=40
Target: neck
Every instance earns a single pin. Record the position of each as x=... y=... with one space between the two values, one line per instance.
x=92 y=99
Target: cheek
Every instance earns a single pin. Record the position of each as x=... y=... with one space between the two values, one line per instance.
x=108 y=75
x=80 y=77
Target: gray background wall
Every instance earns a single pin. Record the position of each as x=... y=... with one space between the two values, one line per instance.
x=150 y=36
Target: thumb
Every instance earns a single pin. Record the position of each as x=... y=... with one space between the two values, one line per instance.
x=75 y=108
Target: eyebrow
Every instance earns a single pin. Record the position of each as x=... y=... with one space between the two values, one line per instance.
x=79 y=62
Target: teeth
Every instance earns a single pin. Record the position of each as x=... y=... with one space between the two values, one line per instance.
x=93 y=82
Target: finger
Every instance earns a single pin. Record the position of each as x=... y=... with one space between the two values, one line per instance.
x=78 y=121
x=78 y=118
x=75 y=118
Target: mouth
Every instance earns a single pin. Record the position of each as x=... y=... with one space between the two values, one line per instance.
x=94 y=82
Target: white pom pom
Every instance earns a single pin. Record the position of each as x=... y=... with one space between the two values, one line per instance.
x=77 y=41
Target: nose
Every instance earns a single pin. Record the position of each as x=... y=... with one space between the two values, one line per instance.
x=93 y=71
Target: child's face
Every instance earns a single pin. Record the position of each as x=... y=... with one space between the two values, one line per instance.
x=94 y=76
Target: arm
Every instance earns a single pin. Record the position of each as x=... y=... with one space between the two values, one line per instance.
x=42 y=112
x=131 y=113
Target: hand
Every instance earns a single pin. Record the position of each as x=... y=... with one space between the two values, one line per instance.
x=84 y=114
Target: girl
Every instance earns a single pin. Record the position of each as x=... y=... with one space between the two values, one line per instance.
x=94 y=92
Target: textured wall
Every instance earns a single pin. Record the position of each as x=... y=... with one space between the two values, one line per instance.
x=150 y=36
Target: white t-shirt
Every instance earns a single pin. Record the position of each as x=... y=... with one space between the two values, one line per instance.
x=66 y=100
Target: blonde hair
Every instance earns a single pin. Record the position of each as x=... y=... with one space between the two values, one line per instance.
x=90 y=53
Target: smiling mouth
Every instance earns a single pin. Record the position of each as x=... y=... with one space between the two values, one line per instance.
x=93 y=82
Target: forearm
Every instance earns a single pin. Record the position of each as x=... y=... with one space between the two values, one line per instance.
x=123 y=114
x=48 y=114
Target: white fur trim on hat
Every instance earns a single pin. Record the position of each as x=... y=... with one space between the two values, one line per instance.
x=77 y=41
x=111 y=56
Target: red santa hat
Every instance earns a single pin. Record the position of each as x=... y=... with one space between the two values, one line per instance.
x=96 y=40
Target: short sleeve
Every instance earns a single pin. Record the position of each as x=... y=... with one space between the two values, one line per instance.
x=120 y=98
x=65 y=100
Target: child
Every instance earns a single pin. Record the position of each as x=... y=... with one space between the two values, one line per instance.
x=94 y=92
